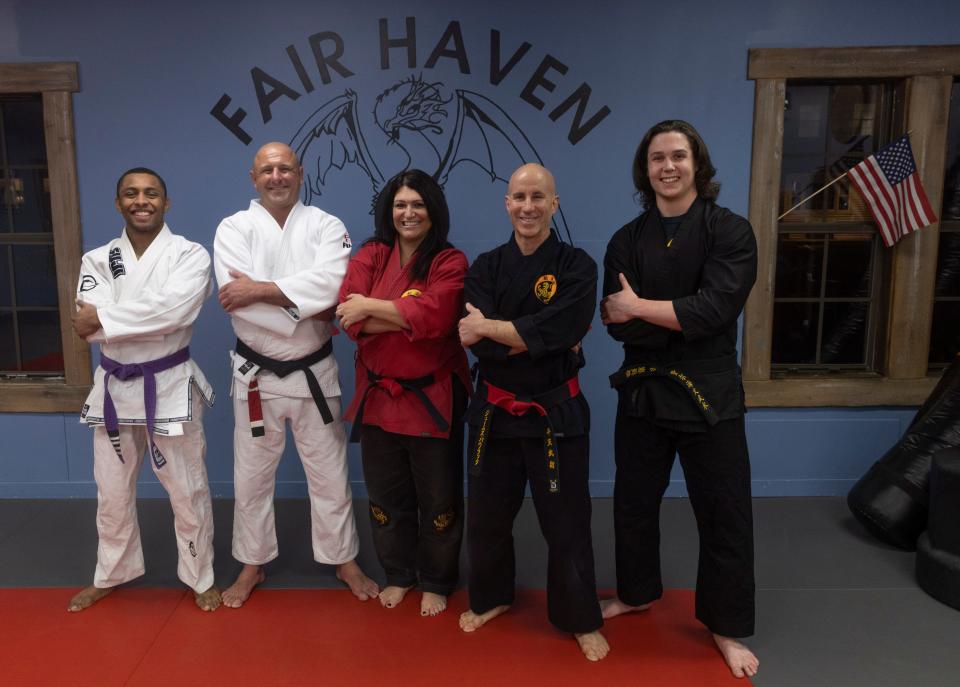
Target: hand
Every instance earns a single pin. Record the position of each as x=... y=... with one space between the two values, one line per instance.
x=241 y=292
x=352 y=310
x=619 y=307
x=471 y=327
x=86 y=321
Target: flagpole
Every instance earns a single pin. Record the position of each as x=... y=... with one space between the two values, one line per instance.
x=824 y=188
x=815 y=193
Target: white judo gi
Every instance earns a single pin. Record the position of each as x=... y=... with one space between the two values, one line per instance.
x=307 y=259
x=147 y=307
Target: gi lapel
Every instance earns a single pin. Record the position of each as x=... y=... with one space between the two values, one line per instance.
x=140 y=271
x=289 y=241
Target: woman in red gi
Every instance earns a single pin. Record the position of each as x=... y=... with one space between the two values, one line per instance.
x=400 y=301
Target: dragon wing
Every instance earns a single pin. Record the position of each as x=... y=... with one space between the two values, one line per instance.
x=333 y=137
x=486 y=136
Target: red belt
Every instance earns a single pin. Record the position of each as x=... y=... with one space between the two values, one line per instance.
x=518 y=406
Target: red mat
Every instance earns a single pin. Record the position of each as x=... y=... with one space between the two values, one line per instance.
x=146 y=637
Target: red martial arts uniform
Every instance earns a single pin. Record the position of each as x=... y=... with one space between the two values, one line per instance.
x=409 y=408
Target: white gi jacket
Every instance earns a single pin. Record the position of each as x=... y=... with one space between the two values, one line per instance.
x=147 y=308
x=307 y=259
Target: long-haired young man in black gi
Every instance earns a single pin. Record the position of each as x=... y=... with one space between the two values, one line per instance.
x=675 y=281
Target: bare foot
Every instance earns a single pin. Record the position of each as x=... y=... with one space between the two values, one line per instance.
x=432 y=604
x=208 y=600
x=87 y=597
x=739 y=658
x=237 y=594
x=362 y=586
x=593 y=645
x=470 y=621
x=391 y=596
x=611 y=608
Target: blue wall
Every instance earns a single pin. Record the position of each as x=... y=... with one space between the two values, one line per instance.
x=150 y=76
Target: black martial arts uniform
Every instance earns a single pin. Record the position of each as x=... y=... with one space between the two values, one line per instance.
x=682 y=392
x=550 y=296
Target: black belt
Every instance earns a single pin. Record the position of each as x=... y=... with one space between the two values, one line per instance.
x=680 y=373
x=519 y=405
x=282 y=368
x=395 y=386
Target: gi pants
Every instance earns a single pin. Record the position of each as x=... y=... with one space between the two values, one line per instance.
x=495 y=498
x=323 y=452
x=717 y=472
x=184 y=476
x=415 y=485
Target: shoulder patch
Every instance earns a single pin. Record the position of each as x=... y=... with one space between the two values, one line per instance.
x=545 y=288
x=411 y=293
x=87 y=283
x=346 y=240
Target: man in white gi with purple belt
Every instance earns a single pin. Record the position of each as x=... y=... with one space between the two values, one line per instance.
x=138 y=297
x=279 y=265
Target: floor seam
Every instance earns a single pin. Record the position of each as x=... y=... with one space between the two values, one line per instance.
x=149 y=647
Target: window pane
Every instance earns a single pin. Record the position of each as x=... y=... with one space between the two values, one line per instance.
x=849 y=265
x=829 y=128
x=799 y=266
x=32 y=211
x=948 y=265
x=40 y=344
x=11 y=193
x=951 y=182
x=844 y=333
x=795 y=333
x=8 y=351
x=35 y=275
x=945 y=333
x=23 y=130
x=5 y=276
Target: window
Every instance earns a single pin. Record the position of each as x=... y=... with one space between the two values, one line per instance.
x=945 y=337
x=836 y=319
x=828 y=301
x=44 y=367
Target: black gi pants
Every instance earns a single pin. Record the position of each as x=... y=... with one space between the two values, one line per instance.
x=495 y=498
x=717 y=472
x=415 y=485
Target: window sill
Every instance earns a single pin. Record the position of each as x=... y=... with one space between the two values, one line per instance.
x=41 y=397
x=825 y=392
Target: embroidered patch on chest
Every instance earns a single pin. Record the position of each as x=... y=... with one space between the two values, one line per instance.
x=346 y=240
x=413 y=293
x=545 y=288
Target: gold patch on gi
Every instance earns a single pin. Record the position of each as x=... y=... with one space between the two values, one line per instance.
x=443 y=521
x=378 y=514
x=545 y=287
x=411 y=292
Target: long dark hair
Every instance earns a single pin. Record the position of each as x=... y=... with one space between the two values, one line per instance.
x=707 y=188
x=436 y=239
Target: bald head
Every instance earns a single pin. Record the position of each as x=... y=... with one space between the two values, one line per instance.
x=533 y=171
x=277 y=176
x=531 y=202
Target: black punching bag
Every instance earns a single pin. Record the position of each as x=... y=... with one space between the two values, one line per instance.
x=891 y=500
x=938 y=549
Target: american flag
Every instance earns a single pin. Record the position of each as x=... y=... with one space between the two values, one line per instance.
x=889 y=183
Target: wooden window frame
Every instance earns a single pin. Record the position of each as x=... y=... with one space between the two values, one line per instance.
x=928 y=72
x=56 y=82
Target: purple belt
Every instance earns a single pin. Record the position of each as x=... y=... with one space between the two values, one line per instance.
x=148 y=371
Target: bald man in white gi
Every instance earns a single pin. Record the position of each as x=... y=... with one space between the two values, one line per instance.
x=138 y=297
x=279 y=265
